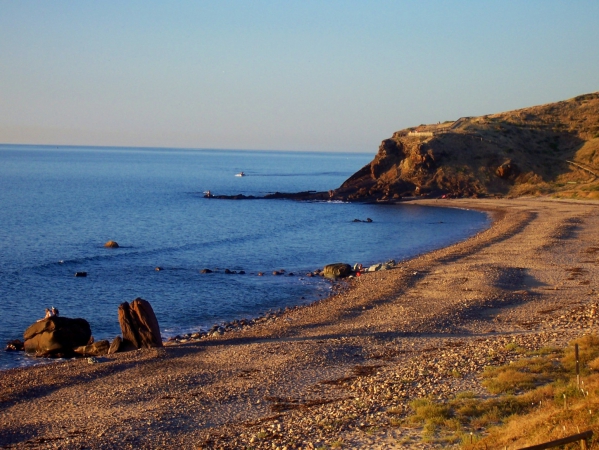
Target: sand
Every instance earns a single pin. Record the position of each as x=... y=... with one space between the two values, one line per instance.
x=340 y=372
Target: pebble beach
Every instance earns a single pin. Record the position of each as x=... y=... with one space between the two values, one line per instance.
x=341 y=372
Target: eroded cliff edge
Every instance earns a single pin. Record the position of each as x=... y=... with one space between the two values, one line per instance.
x=547 y=149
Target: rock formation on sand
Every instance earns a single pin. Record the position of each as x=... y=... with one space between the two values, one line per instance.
x=139 y=325
x=56 y=336
x=337 y=270
x=545 y=149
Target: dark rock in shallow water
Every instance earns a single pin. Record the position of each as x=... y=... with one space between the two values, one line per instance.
x=56 y=336
x=14 y=346
x=80 y=274
x=139 y=325
x=98 y=348
x=206 y=271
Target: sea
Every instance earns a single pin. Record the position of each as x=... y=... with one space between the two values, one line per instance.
x=60 y=205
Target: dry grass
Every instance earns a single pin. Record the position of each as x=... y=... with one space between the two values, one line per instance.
x=536 y=400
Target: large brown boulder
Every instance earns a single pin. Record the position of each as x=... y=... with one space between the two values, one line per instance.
x=139 y=325
x=337 y=270
x=56 y=336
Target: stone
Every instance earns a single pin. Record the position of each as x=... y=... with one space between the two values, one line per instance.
x=98 y=348
x=206 y=271
x=16 y=345
x=115 y=345
x=337 y=270
x=111 y=244
x=56 y=336
x=139 y=325
x=80 y=274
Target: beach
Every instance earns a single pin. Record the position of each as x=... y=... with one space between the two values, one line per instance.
x=334 y=373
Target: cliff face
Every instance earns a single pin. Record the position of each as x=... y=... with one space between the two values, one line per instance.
x=547 y=149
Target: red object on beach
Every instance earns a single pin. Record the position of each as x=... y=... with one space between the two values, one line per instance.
x=358 y=273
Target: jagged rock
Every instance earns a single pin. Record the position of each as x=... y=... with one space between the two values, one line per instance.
x=111 y=244
x=115 y=345
x=337 y=270
x=139 y=325
x=56 y=336
x=98 y=348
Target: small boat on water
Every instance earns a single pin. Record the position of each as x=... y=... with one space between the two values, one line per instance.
x=240 y=174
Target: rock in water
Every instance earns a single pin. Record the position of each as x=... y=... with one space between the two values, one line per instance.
x=139 y=325
x=337 y=270
x=98 y=348
x=14 y=346
x=56 y=336
x=111 y=244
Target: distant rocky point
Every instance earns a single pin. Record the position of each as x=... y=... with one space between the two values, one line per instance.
x=547 y=149
x=551 y=149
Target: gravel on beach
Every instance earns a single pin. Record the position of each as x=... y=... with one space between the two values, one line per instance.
x=340 y=372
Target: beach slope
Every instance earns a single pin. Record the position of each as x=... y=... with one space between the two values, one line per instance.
x=340 y=370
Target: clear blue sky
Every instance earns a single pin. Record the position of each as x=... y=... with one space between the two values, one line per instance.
x=282 y=75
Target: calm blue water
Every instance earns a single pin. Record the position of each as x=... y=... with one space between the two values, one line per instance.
x=58 y=206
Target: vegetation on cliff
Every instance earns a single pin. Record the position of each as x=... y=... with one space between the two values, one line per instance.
x=547 y=149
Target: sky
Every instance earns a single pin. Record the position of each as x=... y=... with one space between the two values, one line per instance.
x=280 y=75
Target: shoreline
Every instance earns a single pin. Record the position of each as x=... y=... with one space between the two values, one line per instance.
x=332 y=370
x=321 y=290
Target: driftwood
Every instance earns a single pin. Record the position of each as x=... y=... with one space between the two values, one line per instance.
x=139 y=325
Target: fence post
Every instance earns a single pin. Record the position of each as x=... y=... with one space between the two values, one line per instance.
x=577 y=366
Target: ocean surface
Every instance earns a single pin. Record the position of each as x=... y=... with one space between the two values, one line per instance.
x=59 y=205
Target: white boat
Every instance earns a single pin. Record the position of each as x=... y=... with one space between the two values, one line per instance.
x=240 y=174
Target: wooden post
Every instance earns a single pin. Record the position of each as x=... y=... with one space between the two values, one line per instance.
x=577 y=366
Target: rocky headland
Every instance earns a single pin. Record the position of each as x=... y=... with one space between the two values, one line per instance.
x=551 y=149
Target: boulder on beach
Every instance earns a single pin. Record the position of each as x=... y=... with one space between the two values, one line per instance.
x=115 y=346
x=139 y=325
x=56 y=336
x=111 y=244
x=98 y=348
x=337 y=270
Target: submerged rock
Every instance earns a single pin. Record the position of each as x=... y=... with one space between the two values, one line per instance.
x=111 y=244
